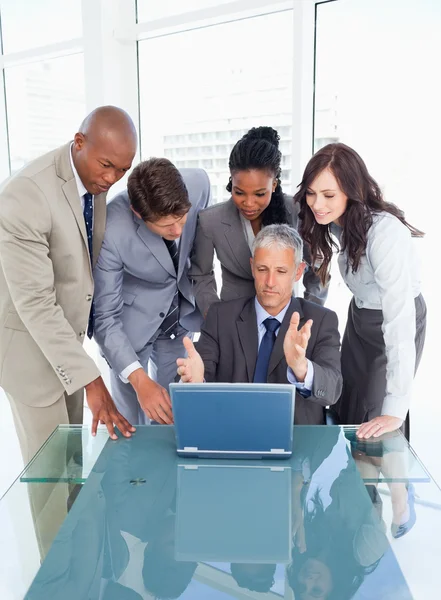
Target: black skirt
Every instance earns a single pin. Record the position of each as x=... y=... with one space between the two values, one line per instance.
x=363 y=362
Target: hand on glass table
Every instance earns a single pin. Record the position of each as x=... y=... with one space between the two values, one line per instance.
x=379 y=426
x=104 y=410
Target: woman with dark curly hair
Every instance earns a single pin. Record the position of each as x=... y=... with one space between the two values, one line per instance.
x=385 y=330
x=229 y=228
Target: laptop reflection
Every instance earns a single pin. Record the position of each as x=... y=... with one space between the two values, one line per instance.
x=233 y=512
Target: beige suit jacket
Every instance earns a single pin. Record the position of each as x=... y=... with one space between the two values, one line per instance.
x=46 y=283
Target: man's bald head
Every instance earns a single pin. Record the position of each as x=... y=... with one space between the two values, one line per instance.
x=108 y=120
x=104 y=148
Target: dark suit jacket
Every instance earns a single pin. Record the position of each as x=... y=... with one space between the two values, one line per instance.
x=220 y=230
x=229 y=345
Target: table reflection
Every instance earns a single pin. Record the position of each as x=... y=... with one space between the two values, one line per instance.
x=148 y=524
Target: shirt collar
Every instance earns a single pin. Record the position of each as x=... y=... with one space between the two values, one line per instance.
x=261 y=313
x=80 y=186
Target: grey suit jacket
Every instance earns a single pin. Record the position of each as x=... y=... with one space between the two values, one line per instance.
x=229 y=347
x=220 y=229
x=135 y=279
x=46 y=283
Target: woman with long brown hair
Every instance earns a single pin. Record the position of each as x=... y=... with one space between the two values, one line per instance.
x=342 y=208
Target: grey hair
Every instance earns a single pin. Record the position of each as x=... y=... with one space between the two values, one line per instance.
x=282 y=236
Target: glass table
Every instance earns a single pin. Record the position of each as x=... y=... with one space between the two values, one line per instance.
x=91 y=518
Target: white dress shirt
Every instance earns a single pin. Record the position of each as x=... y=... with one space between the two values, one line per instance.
x=388 y=279
x=124 y=375
x=248 y=231
x=80 y=186
x=261 y=315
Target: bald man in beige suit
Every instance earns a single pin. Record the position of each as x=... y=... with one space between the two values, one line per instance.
x=46 y=284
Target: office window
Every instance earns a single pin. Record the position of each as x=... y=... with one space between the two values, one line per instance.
x=30 y=23
x=45 y=106
x=205 y=93
x=149 y=10
x=377 y=90
x=382 y=98
x=4 y=150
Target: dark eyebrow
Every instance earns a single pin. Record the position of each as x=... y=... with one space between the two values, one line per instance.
x=106 y=160
x=236 y=187
x=322 y=191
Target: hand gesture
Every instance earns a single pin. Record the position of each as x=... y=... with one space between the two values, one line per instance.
x=295 y=344
x=191 y=369
x=104 y=410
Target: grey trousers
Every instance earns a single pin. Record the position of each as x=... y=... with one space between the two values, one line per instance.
x=158 y=358
x=363 y=363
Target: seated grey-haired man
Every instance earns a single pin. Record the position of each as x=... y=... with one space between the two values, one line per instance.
x=272 y=337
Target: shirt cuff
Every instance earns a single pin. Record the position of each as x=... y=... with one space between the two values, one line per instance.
x=309 y=378
x=396 y=406
x=124 y=375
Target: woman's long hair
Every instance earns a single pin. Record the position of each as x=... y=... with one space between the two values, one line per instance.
x=331 y=543
x=259 y=149
x=365 y=199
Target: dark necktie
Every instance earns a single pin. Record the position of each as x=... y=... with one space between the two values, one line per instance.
x=88 y=219
x=171 y=320
x=265 y=349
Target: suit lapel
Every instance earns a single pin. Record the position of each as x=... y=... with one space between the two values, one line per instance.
x=156 y=245
x=99 y=224
x=247 y=331
x=234 y=234
x=64 y=171
x=277 y=355
x=71 y=193
x=183 y=245
x=63 y=168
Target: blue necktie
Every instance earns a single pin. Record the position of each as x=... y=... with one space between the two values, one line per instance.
x=88 y=219
x=265 y=349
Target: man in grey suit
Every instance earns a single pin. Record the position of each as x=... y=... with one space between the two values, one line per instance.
x=143 y=296
x=272 y=337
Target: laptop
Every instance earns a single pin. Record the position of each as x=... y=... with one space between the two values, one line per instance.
x=233 y=420
x=233 y=513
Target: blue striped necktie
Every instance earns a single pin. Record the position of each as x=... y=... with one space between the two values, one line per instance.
x=88 y=219
x=265 y=349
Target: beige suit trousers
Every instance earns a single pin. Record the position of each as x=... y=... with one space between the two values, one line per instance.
x=48 y=501
x=35 y=424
